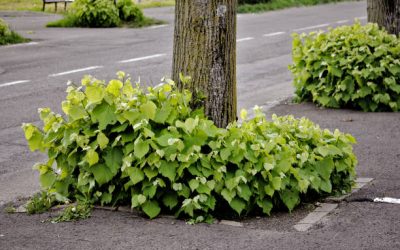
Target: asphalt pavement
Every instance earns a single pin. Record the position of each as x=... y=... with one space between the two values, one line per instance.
x=34 y=75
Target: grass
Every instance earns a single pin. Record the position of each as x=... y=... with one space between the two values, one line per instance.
x=69 y=23
x=152 y=4
x=12 y=39
x=281 y=4
x=29 y=5
x=36 y=5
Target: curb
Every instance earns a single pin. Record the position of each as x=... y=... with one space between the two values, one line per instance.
x=328 y=206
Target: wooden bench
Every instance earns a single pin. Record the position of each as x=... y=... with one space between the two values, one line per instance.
x=56 y=2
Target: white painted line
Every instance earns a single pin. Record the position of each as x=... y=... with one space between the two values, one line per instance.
x=244 y=39
x=158 y=26
x=13 y=83
x=312 y=27
x=75 y=71
x=141 y=58
x=387 y=200
x=342 y=21
x=361 y=17
x=274 y=34
x=22 y=44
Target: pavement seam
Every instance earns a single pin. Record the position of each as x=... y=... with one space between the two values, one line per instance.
x=325 y=208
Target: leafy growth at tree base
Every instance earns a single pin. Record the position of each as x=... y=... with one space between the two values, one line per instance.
x=118 y=144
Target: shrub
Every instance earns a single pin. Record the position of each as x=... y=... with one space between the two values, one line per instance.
x=7 y=36
x=4 y=29
x=128 y=12
x=118 y=144
x=94 y=13
x=348 y=67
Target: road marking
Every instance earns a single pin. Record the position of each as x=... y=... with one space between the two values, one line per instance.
x=342 y=21
x=312 y=27
x=274 y=34
x=75 y=71
x=244 y=39
x=387 y=200
x=22 y=44
x=13 y=83
x=141 y=58
x=158 y=26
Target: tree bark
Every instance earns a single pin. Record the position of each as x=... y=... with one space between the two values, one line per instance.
x=205 y=50
x=386 y=13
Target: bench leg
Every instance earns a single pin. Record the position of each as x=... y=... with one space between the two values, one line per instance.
x=65 y=6
x=43 y=6
x=55 y=7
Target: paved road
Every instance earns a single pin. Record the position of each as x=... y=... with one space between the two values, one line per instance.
x=34 y=75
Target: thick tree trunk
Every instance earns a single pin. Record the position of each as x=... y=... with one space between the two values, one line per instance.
x=386 y=13
x=205 y=50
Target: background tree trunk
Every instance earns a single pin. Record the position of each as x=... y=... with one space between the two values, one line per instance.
x=386 y=13
x=205 y=50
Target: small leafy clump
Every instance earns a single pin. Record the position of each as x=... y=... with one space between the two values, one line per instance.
x=129 y=12
x=119 y=144
x=94 y=13
x=73 y=213
x=104 y=14
x=348 y=67
x=39 y=203
x=7 y=36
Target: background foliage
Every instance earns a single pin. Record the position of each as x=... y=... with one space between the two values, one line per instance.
x=94 y=13
x=119 y=144
x=350 y=66
x=7 y=36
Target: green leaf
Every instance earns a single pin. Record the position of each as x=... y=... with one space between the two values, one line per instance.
x=303 y=185
x=91 y=157
x=276 y=183
x=94 y=94
x=325 y=167
x=141 y=148
x=238 y=205
x=244 y=192
x=168 y=169
x=290 y=198
x=113 y=159
x=148 y=109
x=265 y=205
x=102 y=173
x=102 y=140
x=104 y=114
x=47 y=179
x=225 y=153
x=151 y=208
x=135 y=174
x=326 y=186
x=114 y=87
x=162 y=114
x=76 y=112
x=170 y=200
x=269 y=190
x=228 y=195
x=137 y=200
x=194 y=184
x=150 y=173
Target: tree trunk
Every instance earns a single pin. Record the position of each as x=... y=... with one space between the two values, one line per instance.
x=205 y=50
x=386 y=13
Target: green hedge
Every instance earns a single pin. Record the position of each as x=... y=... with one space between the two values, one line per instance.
x=119 y=144
x=348 y=67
